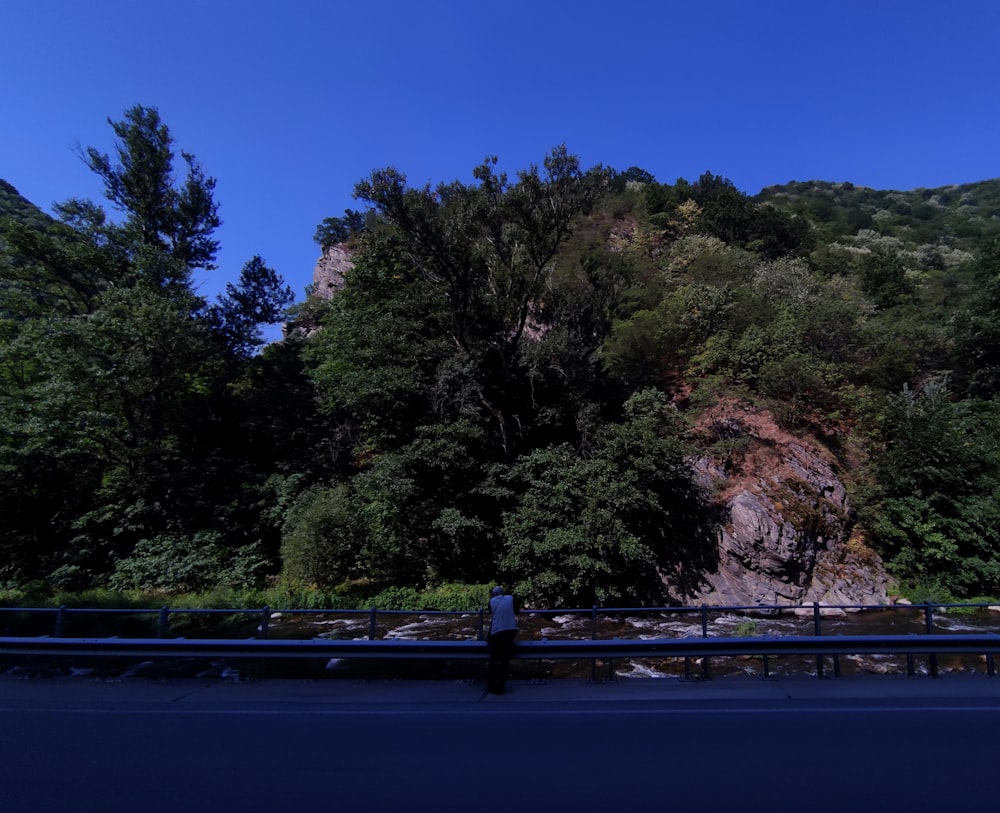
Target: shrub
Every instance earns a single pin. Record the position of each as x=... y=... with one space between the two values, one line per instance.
x=398 y=598
x=169 y=562
x=321 y=538
x=176 y=562
x=458 y=597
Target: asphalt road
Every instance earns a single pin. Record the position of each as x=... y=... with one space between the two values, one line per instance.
x=177 y=747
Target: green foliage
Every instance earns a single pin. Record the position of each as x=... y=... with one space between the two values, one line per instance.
x=176 y=220
x=982 y=600
x=260 y=298
x=633 y=175
x=323 y=539
x=426 y=521
x=21 y=210
x=455 y=597
x=175 y=563
x=599 y=529
x=978 y=328
x=376 y=357
x=934 y=514
x=125 y=420
x=951 y=217
x=449 y=597
x=932 y=592
x=397 y=598
x=452 y=597
x=883 y=277
x=731 y=216
x=492 y=394
x=335 y=230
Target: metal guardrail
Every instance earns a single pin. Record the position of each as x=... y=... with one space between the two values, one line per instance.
x=927 y=643
x=815 y=610
x=609 y=650
x=580 y=649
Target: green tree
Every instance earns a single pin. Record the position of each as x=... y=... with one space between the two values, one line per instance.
x=125 y=418
x=933 y=512
x=611 y=526
x=883 y=277
x=259 y=298
x=977 y=328
x=442 y=314
x=335 y=230
x=323 y=538
x=177 y=219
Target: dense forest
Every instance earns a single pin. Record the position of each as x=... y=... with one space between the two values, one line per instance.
x=504 y=388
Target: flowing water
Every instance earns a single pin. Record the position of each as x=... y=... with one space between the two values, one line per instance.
x=643 y=624
x=548 y=625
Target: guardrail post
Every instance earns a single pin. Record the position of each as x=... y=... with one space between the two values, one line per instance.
x=60 y=629
x=482 y=624
x=265 y=618
x=990 y=666
x=929 y=627
x=704 y=634
x=593 y=637
x=372 y=620
x=817 y=630
x=767 y=665
x=163 y=626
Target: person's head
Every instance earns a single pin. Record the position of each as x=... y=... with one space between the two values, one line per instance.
x=496 y=591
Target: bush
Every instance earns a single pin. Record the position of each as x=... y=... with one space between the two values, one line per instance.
x=398 y=598
x=321 y=538
x=175 y=562
x=458 y=597
x=172 y=562
x=452 y=597
x=927 y=593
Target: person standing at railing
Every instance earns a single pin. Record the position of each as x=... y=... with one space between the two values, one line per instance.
x=503 y=629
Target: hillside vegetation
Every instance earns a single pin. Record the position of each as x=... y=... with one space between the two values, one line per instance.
x=507 y=386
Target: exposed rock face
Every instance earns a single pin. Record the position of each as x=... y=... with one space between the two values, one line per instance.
x=330 y=270
x=786 y=537
x=328 y=278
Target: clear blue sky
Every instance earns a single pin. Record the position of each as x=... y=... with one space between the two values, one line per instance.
x=288 y=103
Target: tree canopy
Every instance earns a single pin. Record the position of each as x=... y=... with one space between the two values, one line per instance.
x=125 y=407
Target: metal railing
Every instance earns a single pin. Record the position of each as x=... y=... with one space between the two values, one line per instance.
x=927 y=643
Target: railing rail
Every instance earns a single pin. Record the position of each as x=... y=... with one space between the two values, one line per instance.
x=575 y=649
x=927 y=642
x=816 y=610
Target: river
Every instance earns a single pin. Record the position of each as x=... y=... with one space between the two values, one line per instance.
x=642 y=624
x=534 y=626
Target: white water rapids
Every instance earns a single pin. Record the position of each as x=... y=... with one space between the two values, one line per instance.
x=644 y=625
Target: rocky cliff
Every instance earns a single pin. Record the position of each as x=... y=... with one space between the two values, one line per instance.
x=786 y=537
x=328 y=278
x=331 y=267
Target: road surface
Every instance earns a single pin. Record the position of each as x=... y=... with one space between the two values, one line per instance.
x=834 y=745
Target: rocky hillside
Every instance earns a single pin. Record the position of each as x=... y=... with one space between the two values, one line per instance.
x=787 y=531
